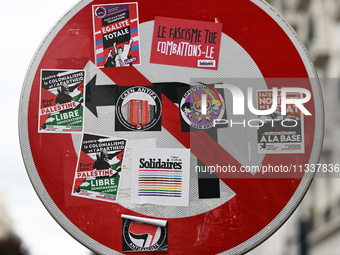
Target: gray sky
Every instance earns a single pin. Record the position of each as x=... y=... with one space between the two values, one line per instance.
x=23 y=26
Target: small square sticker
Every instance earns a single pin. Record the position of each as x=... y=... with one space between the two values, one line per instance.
x=144 y=234
x=138 y=108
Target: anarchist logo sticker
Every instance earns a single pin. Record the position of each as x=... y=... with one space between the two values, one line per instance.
x=192 y=107
x=143 y=237
x=138 y=108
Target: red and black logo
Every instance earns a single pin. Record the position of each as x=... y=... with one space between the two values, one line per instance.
x=138 y=108
x=143 y=237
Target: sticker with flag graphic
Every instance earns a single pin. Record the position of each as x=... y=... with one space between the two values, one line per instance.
x=116 y=34
x=144 y=234
x=61 y=101
x=99 y=167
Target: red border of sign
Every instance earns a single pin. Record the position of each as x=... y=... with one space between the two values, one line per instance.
x=222 y=228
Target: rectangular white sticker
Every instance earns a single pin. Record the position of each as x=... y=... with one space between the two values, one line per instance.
x=160 y=176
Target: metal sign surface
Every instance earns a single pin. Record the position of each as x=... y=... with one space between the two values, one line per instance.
x=104 y=59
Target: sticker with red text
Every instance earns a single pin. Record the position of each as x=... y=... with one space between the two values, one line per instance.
x=61 y=101
x=188 y=43
x=99 y=167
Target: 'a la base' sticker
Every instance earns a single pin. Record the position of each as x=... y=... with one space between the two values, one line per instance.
x=189 y=43
x=277 y=133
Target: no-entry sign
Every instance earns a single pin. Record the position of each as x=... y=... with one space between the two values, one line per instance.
x=161 y=113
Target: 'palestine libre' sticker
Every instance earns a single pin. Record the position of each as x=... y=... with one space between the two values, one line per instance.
x=99 y=167
x=61 y=101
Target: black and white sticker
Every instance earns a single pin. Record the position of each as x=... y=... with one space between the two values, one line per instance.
x=138 y=108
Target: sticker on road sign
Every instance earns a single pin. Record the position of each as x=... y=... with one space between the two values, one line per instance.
x=61 y=101
x=189 y=43
x=99 y=167
x=138 y=108
x=116 y=34
x=200 y=106
x=279 y=133
x=160 y=176
x=144 y=234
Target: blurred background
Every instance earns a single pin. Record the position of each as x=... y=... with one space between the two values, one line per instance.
x=314 y=228
x=25 y=225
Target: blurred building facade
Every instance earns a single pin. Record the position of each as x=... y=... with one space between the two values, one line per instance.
x=10 y=243
x=314 y=229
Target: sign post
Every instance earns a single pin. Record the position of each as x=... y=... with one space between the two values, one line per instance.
x=150 y=126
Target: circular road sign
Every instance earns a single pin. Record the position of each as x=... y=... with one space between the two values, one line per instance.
x=206 y=83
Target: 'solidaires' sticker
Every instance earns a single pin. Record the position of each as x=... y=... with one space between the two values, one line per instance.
x=160 y=176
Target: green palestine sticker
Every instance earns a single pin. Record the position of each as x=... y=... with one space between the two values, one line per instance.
x=102 y=185
x=61 y=101
x=99 y=167
x=69 y=118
